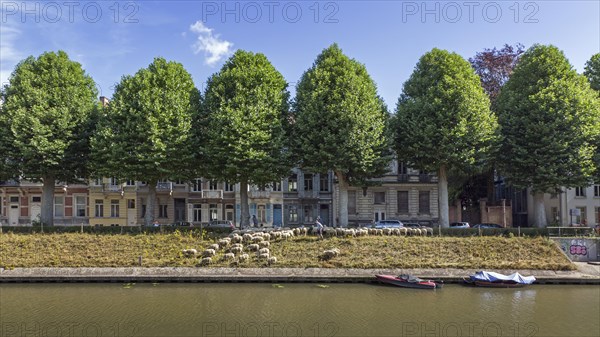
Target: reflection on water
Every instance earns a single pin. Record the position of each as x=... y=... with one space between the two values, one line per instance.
x=295 y=310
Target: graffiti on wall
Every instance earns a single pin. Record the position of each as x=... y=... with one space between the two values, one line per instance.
x=575 y=247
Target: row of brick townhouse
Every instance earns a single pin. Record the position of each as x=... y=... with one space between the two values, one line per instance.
x=296 y=200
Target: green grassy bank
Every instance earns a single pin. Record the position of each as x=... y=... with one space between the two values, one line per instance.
x=165 y=250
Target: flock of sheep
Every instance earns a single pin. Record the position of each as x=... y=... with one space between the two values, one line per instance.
x=239 y=246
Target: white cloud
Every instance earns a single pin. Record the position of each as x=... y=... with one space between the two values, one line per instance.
x=9 y=55
x=214 y=48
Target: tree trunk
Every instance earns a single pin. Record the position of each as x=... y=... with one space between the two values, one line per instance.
x=149 y=216
x=443 y=197
x=245 y=209
x=538 y=210
x=343 y=206
x=47 y=215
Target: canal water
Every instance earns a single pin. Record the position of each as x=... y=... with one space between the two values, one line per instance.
x=197 y=309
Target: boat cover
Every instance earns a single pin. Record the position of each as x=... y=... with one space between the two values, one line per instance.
x=411 y=278
x=488 y=276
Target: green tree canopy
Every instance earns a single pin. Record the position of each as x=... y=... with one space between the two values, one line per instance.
x=145 y=132
x=340 y=122
x=548 y=117
x=592 y=71
x=45 y=123
x=443 y=119
x=245 y=110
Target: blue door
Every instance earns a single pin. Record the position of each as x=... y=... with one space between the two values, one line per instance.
x=277 y=215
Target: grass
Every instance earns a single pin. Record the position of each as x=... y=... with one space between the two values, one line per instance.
x=165 y=250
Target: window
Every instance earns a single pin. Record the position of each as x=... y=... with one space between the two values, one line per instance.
x=276 y=186
x=99 y=208
x=80 y=205
x=580 y=191
x=15 y=199
x=213 y=185
x=308 y=213
x=324 y=183
x=162 y=211
x=379 y=198
x=36 y=199
x=293 y=183
x=97 y=182
x=554 y=214
x=113 y=181
x=197 y=212
x=213 y=211
x=114 y=208
x=402 y=169
x=581 y=219
x=197 y=185
x=402 y=201
x=229 y=187
x=229 y=212
x=143 y=211
x=179 y=182
x=596 y=190
x=308 y=182
x=130 y=182
x=597 y=215
x=130 y=203
x=59 y=206
x=351 y=202
x=424 y=202
x=293 y=214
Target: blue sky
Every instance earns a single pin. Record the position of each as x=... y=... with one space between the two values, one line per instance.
x=111 y=39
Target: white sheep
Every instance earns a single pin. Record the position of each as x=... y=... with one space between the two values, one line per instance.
x=272 y=260
x=206 y=260
x=247 y=237
x=209 y=253
x=253 y=247
x=236 y=239
x=244 y=257
x=263 y=256
x=190 y=252
x=228 y=256
x=403 y=231
x=257 y=239
x=263 y=251
x=214 y=246
x=330 y=253
x=264 y=244
x=387 y=231
x=224 y=242
x=235 y=249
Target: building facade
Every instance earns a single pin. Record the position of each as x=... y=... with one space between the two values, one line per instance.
x=296 y=200
x=21 y=203
x=401 y=194
x=578 y=206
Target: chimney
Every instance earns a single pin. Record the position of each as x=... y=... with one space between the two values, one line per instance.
x=104 y=101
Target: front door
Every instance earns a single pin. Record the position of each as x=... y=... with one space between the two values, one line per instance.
x=277 y=215
x=131 y=221
x=379 y=215
x=180 y=210
x=13 y=215
x=324 y=214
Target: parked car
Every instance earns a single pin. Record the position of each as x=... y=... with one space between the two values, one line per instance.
x=460 y=225
x=411 y=225
x=389 y=224
x=487 y=225
x=182 y=224
x=221 y=224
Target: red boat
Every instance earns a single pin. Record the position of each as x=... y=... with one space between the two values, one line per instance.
x=408 y=281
